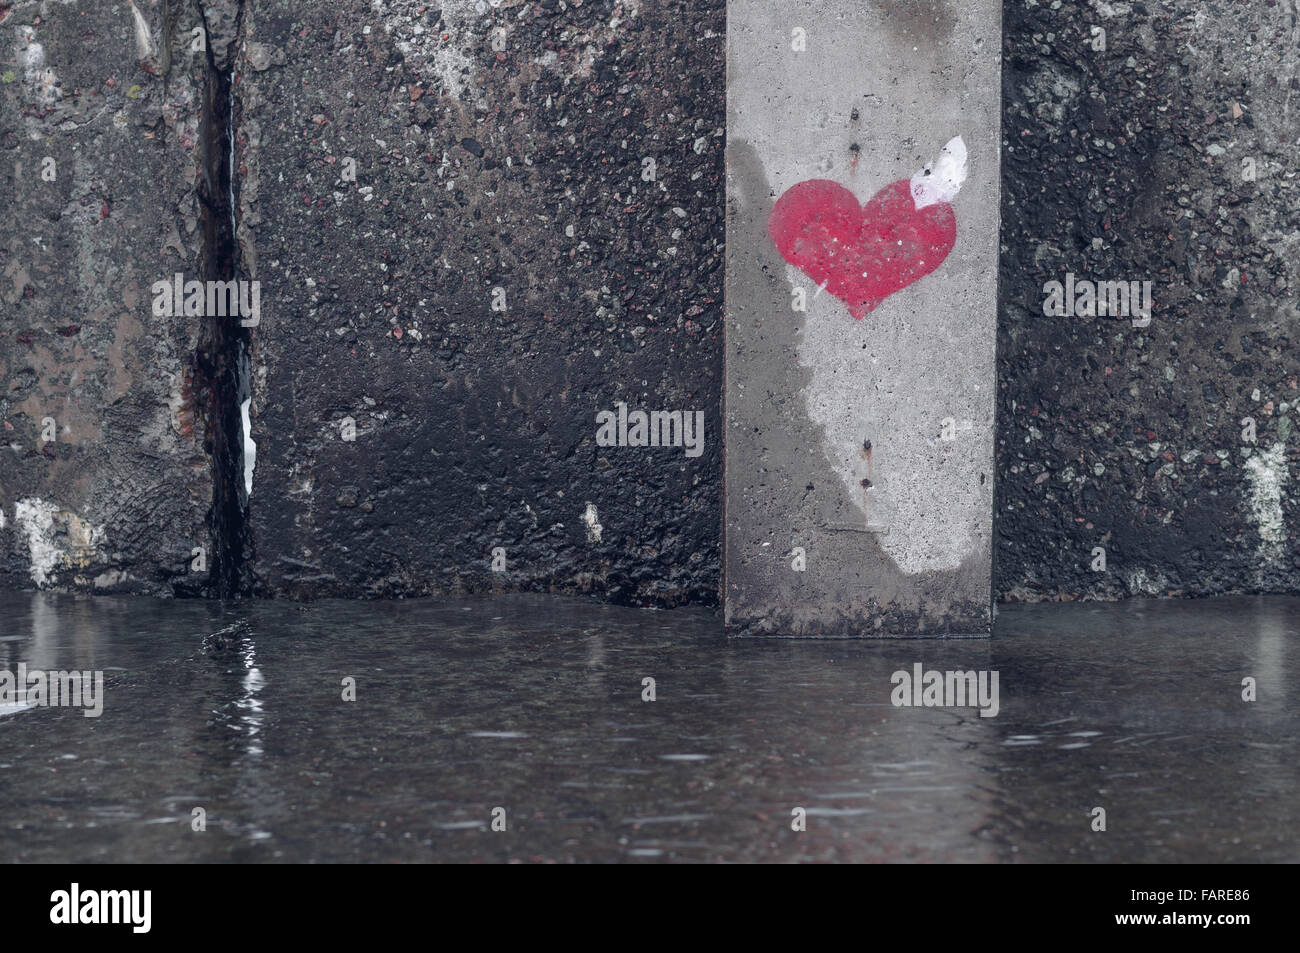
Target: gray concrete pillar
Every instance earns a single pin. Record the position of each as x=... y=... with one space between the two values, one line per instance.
x=862 y=242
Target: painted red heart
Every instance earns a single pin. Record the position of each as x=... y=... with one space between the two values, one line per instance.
x=861 y=254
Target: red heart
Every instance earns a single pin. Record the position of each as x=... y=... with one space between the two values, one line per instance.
x=861 y=255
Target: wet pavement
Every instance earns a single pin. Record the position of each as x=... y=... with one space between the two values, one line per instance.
x=535 y=705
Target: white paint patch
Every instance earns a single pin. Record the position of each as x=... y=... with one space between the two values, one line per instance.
x=1267 y=474
x=592 y=521
x=48 y=530
x=36 y=519
x=1141 y=582
x=451 y=63
x=1109 y=10
x=448 y=61
x=250 y=448
x=31 y=55
x=114 y=577
x=143 y=35
x=175 y=405
x=941 y=180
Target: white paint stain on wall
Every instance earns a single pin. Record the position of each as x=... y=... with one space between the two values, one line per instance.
x=940 y=180
x=591 y=519
x=1267 y=474
x=250 y=448
x=1143 y=582
x=56 y=538
x=1110 y=10
x=447 y=61
x=144 y=45
x=444 y=55
x=41 y=79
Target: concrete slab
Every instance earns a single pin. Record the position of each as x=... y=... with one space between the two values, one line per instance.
x=105 y=484
x=862 y=244
x=1156 y=455
x=478 y=226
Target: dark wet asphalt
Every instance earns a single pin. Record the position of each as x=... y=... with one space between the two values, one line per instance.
x=534 y=704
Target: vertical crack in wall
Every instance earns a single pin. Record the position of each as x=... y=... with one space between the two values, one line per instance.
x=223 y=350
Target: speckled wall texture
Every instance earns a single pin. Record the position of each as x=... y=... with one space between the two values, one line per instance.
x=477 y=226
x=1152 y=142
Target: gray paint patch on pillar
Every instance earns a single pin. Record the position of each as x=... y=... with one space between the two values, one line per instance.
x=859 y=458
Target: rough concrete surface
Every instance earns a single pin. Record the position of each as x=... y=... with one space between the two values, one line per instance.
x=859 y=476
x=1129 y=163
x=501 y=156
x=105 y=484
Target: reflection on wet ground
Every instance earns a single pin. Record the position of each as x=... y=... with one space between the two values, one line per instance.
x=534 y=704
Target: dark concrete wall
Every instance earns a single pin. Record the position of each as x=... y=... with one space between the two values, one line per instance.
x=518 y=167
x=1127 y=164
